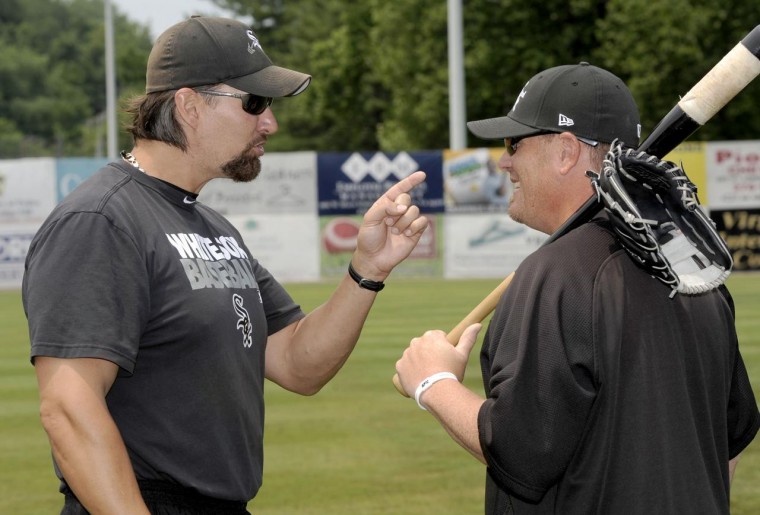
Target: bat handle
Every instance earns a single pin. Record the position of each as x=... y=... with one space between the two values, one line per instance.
x=477 y=315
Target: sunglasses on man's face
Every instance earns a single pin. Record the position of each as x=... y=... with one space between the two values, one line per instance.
x=512 y=144
x=252 y=104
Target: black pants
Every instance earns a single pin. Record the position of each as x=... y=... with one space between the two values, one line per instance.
x=167 y=499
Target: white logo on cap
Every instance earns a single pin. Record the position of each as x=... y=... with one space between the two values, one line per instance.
x=254 y=44
x=564 y=121
x=521 y=95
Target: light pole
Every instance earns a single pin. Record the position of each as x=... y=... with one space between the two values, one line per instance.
x=457 y=110
x=110 y=83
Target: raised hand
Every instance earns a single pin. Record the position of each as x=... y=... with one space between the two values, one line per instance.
x=391 y=229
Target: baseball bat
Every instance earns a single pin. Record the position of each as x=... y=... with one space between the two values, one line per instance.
x=717 y=88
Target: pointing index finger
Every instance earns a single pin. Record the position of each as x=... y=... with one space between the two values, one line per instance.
x=405 y=185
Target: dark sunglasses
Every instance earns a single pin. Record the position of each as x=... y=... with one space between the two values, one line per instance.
x=252 y=104
x=512 y=144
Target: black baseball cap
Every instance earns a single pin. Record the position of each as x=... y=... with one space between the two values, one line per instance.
x=209 y=50
x=588 y=101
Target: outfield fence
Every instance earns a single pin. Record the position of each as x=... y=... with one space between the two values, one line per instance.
x=301 y=216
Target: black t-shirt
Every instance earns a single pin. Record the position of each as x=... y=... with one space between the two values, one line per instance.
x=605 y=395
x=134 y=271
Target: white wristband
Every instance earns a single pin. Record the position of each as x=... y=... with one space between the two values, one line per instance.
x=428 y=382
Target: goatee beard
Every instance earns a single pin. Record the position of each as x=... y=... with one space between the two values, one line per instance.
x=243 y=168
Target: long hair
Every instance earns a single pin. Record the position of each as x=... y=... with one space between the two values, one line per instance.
x=153 y=117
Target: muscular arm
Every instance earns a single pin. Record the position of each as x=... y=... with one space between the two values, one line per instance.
x=85 y=441
x=304 y=356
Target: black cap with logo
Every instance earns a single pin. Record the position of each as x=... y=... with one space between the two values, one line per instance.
x=585 y=100
x=202 y=51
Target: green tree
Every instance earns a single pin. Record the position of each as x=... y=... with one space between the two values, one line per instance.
x=662 y=59
x=508 y=41
x=380 y=68
x=52 y=73
x=329 y=40
x=411 y=65
x=381 y=75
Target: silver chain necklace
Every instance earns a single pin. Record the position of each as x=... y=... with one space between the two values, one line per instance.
x=129 y=158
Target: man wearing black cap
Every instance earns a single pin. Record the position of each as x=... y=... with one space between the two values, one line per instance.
x=152 y=326
x=603 y=393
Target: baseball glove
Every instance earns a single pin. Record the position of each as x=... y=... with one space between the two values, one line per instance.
x=655 y=212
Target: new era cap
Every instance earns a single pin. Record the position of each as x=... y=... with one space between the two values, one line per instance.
x=209 y=50
x=583 y=99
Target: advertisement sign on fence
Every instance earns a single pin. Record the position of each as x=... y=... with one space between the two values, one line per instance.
x=734 y=178
x=350 y=183
x=287 y=183
x=740 y=228
x=14 y=245
x=285 y=244
x=27 y=190
x=486 y=245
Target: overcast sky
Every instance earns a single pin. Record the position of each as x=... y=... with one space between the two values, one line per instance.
x=159 y=15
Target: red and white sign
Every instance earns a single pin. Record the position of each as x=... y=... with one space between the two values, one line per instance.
x=733 y=174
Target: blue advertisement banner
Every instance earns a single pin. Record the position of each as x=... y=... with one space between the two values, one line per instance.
x=71 y=171
x=349 y=183
x=14 y=245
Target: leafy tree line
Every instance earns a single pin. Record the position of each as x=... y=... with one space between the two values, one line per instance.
x=52 y=75
x=380 y=68
x=381 y=74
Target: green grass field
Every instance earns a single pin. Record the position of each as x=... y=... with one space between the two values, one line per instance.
x=357 y=447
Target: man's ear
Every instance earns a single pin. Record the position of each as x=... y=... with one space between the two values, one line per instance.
x=187 y=106
x=570 y=152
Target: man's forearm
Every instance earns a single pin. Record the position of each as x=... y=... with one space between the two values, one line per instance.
x=306 y=355
x=456 y=408
x=86 y=443
x=304 y=358
x=93 y=460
